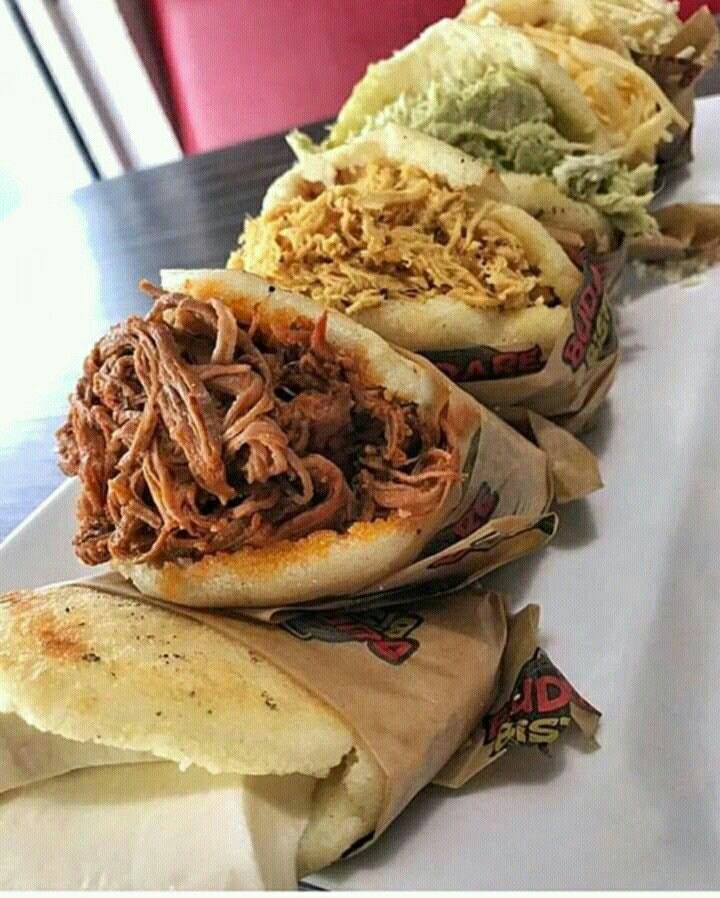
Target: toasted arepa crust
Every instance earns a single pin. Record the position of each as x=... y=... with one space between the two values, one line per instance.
x=451 y=324
x=68 y=658
x=323 y=563
x=121 y=673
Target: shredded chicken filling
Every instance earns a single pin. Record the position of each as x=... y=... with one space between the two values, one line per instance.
x=386 y=232
x=193 y=433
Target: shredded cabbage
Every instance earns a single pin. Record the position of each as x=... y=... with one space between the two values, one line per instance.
x=617 y=191
x=634 y=110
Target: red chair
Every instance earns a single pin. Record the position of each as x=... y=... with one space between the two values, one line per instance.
x=239 y=69
x=688 y=7
x=243 y=68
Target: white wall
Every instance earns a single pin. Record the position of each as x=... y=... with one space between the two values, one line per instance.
x=38 y=157
x=104 y=82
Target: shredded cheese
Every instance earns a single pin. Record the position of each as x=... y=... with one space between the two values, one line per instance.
x=385 y=232
x=646 y=25
x=624 y=97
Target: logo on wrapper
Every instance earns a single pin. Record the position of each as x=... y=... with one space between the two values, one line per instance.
x=593 y=335
x=486 y=363
x=385 y=633
x=538 y=710
x=488 y=541
x=479 y=513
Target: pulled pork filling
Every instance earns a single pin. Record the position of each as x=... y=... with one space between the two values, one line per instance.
x=193 y=433
x=385 y=232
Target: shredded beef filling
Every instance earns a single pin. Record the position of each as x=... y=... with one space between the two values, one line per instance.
x=193 y=433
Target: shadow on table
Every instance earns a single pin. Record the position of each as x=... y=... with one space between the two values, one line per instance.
x=515 y=580
x=521 y=766
x=524 y=765
x=635 y=286
x=630 y=347
x=598 y=437
x=577 y=525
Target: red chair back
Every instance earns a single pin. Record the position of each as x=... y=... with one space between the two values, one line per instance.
x=243 y=68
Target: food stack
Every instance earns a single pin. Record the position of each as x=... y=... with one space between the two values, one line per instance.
x=298 y=468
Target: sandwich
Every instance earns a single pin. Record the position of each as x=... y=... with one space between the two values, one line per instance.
x=580 y=118
x=411 y=238
x=199 y=703
x=624 y=26
x=207 y=708
x=646 y=32
x=242 y=445
x=634 y=114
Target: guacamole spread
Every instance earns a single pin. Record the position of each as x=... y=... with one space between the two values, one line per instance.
x=506 y=119
x=501 y=117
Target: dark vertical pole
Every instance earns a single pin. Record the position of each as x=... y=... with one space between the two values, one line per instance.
x=47 y=77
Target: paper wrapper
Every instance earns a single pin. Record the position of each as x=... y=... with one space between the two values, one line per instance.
x=501 y=514
x=535 y=702
x=688 y=231
x=416 y=684
x=676 y=70
x=150 y=827
x=571 y=385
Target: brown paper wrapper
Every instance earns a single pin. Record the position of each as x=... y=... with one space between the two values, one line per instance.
x=571 y=385
x=676 y=70
x=535 y=703
x=688 y=231
x=413 y=683
x=575 y=470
